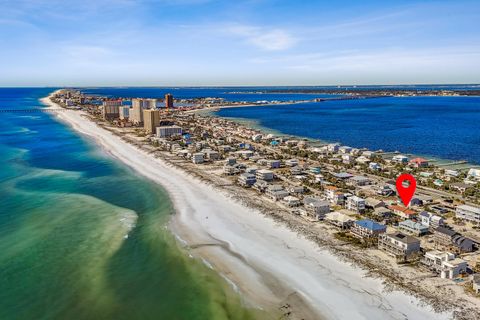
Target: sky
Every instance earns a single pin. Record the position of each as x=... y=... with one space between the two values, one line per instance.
x=253 y=42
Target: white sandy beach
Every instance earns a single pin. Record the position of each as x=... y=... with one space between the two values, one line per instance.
x=266 y=261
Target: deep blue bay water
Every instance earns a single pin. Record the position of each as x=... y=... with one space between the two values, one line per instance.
x=439 y=127
x=65 y=211
x=232 y=94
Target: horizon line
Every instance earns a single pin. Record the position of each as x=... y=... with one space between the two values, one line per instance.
x=245 y=85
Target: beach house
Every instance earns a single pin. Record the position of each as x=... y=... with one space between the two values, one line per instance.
x=374 y=166
x=412 y=227
x=276 y=192
x=334 y=195
x=247 y=180
x=418 y=163
x=399 y=245
x=445 y=264
x=356 y=204
x=364 y=229
x=264 y=174
x=430 y=220
x=339 y=220
x=358 y=181
x=400 y=158
x=316 y=207
x=197 y=158
x=402 y=212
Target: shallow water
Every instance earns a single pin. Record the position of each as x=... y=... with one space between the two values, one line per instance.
x=83 y=237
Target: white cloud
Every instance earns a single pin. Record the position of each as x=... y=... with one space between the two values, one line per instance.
x=263 y=38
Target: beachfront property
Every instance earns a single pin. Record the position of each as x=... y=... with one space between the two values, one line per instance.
x=333 y=147
x=468 y=213
x=399 y=245
x=231 y=170
x=418 y=163
x=344 y=149
x=444 y=263
x=356 y=204
x=265 y=175
x=198 y=158
x=151 y=120
x=291 y=201
x=247 y=180
x=339 y=219
x=473 y=175
x=400 y=158
x=124 y=113
x=276 y=192
x=412 y=227
x=169 y=131
x=138 y=106
x=364 y=229
x=260 y=186
x=110 y=109
x=316 y=207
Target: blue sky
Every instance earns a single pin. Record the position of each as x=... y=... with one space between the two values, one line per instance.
x=255 y=42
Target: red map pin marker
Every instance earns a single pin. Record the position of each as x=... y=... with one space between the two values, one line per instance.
x=406 y=193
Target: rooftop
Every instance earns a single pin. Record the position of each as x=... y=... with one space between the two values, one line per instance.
x=371 y=225
x=403 y=238
x=446 y=231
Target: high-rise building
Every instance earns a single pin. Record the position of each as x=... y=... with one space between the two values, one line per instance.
x=138 y=105
x=168 y=101
x=151 y=120
x=169 y=131
x=124 y=112
x=110 y=109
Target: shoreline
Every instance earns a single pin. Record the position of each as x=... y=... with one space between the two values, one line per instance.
x=266 y=260
x=266 y=130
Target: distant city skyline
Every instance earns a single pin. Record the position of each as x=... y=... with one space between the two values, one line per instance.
x=241 y=43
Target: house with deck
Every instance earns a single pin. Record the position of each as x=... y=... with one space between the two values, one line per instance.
x=364 y=229
x=412 y=227
x=340 y=220
x=399 y=245
x=445 y=263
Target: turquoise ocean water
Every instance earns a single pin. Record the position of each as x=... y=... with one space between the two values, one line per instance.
x=83 y=237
